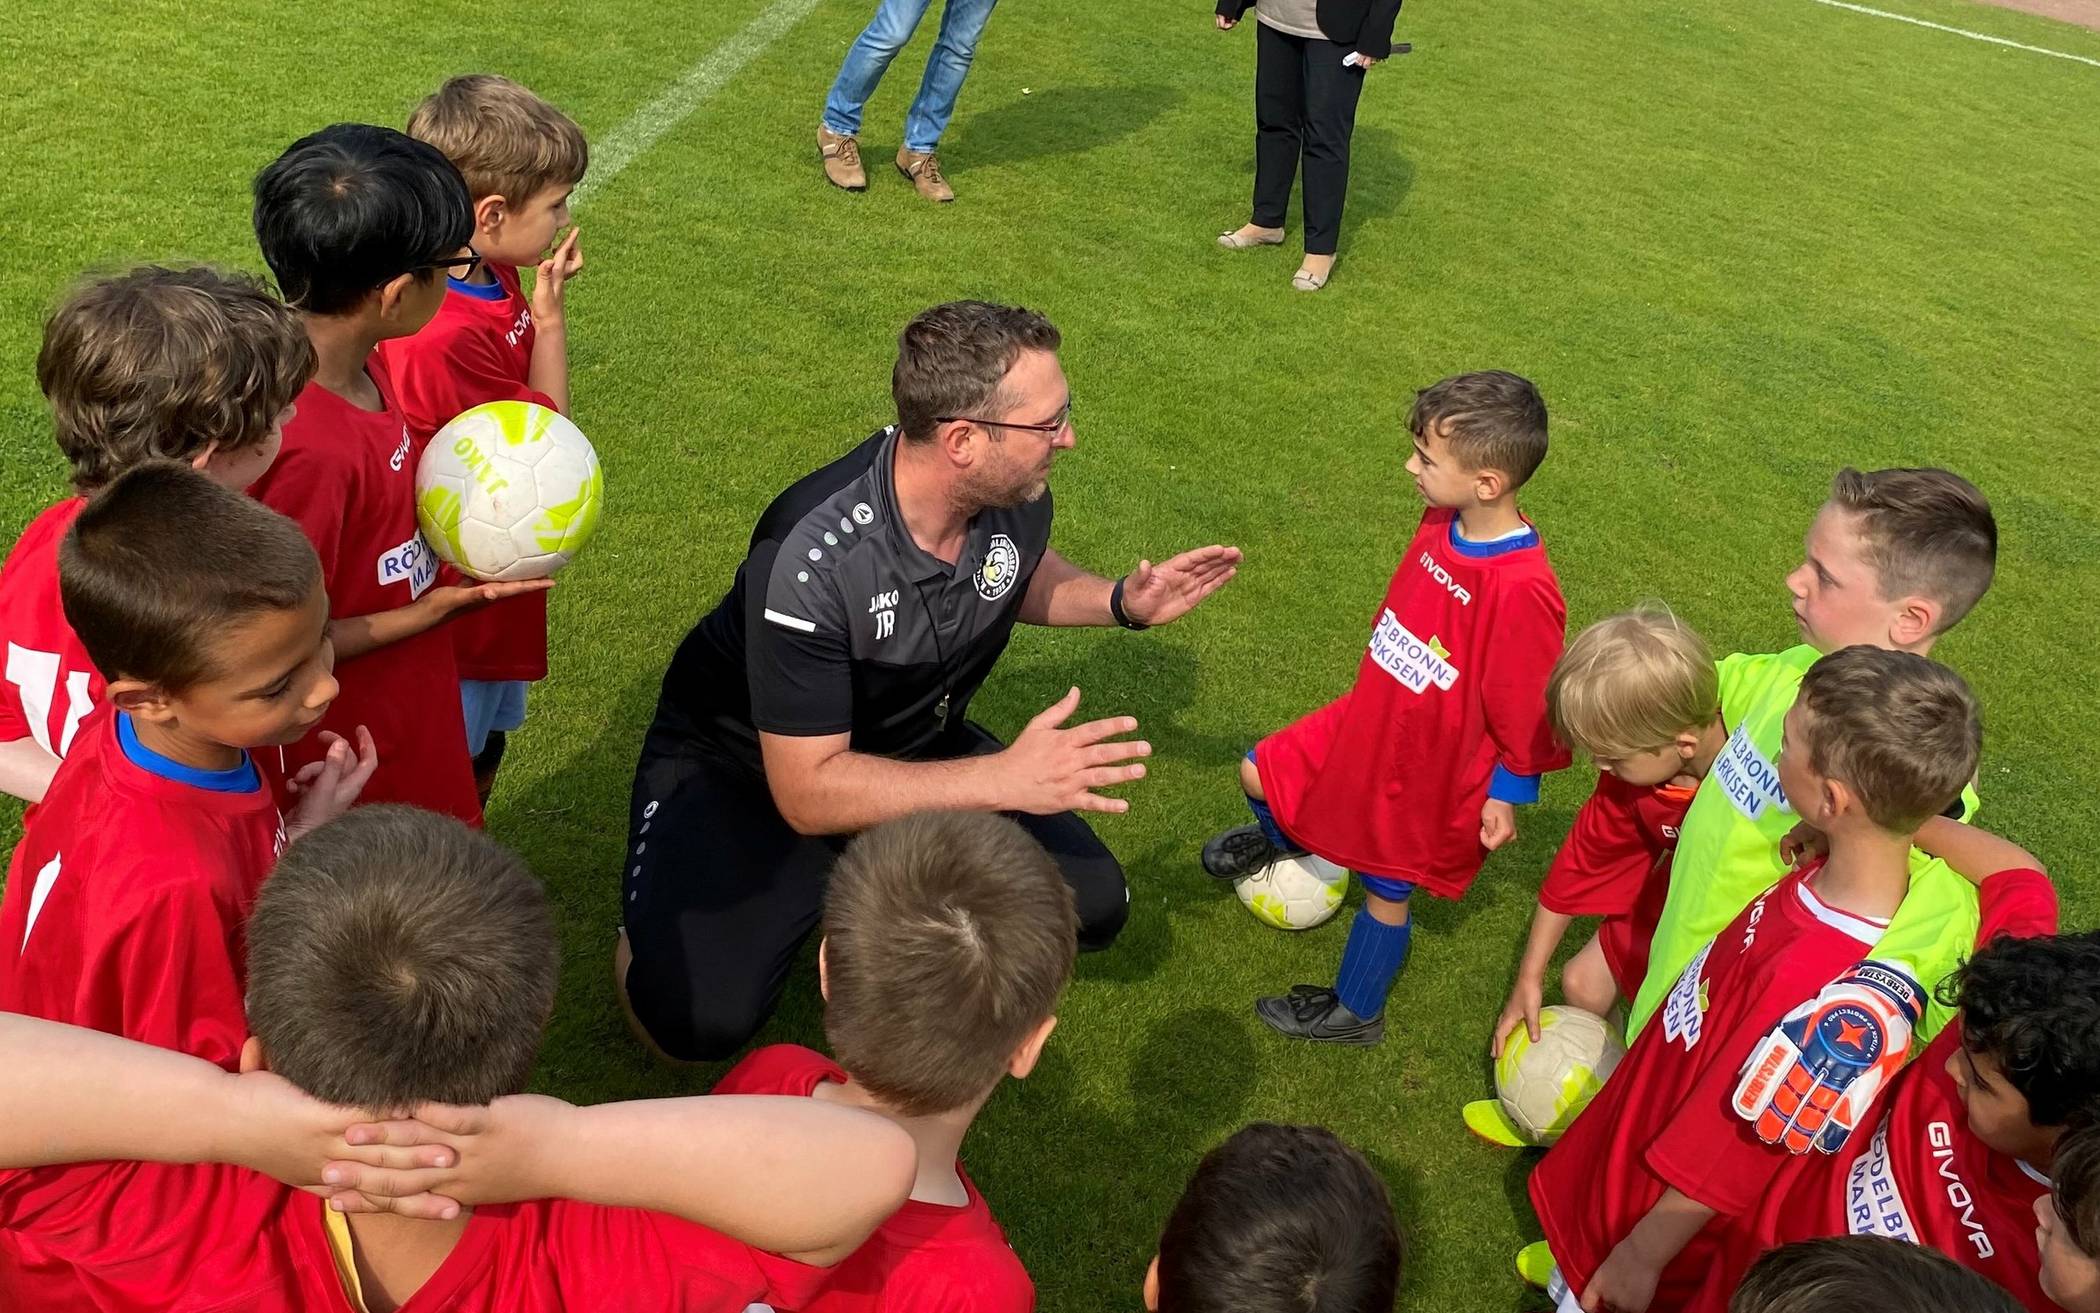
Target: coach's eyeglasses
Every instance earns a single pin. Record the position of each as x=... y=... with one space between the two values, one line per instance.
x=1053 y=428
x=471 y=263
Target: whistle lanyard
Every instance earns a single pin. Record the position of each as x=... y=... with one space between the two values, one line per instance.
x=940 y=656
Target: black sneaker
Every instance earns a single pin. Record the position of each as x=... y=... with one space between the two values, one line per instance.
x=1314 y=1012
x=1241 y=851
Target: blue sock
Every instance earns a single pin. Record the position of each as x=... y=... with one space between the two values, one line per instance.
x=1375 y=954
x=1266 y=819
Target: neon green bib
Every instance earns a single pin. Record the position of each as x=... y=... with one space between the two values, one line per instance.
x=1728 y=849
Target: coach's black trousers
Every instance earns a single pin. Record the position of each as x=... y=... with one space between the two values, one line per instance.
x=1304 y=109
x=719 y=894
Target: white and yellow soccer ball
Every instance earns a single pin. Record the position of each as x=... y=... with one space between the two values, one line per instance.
x=509 y=490
x=1544 y=1085
x=1294 y=893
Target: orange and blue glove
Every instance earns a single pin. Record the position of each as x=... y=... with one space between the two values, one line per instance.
x=1812 y=1079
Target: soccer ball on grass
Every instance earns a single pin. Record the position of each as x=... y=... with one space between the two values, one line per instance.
x=1294 y=893
x=509 y=490
x=1544 y=1085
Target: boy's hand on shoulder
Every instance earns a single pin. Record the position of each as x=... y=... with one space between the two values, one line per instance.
x=1498 y=824
x=1803 y=844
x=329 y=787
x=1525 y=1000
x=493 y=1154
x=550 y=277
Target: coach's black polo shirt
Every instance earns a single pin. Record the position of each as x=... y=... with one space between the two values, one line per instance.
x=839 y=623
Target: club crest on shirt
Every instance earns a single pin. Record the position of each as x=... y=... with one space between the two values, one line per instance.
x=1002 y=565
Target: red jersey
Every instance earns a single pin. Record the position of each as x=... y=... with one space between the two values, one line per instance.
x=127 y=896
x=1615 y=863
x=1389 y=778
x=927 y=1258
x=1664 y=1118
x=476 y=350
x=348 y=477
x=134 y=1237
x=1916 y=1174
x=48 y=684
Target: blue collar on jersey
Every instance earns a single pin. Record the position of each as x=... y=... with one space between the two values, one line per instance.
x=236 y=779
x=490 y=291
x=1516 y=542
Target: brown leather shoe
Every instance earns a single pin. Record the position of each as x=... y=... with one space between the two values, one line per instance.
x=841 y=156
x=925 y=174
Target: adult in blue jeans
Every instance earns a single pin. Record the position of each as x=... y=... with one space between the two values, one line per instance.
x=838 y=136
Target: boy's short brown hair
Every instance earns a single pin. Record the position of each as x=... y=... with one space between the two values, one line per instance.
x=948 y=937
x=395 y=957
x=1631 y=683
x=160 y=563
x=1281 y=1219
x=1927 y=532
x=157 y=364
x=1844 y=1274
x=2075 y=1172
x=1903 y=732
x=506 y=141
x=1491 y=419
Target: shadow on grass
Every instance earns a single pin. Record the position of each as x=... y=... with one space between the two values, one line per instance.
x=1054 y=121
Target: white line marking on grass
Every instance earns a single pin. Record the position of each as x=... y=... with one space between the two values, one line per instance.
x=1959 y=31
x=676 y=103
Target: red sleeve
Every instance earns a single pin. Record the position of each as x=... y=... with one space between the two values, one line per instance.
x=1603 y=864
x=437 y=380
x=178 y=977
x=1702 y=1148
x=774 y=1069
x=966 y=1281
x=1530 y=631
x=314 y=490
x=2020 y=903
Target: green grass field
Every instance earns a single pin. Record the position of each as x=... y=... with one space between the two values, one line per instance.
x=1737 y=247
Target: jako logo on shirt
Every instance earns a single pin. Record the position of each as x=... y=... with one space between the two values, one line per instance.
x=1408 y=659
x=412 y=563
x=1941 y=1137
x=400 y=456
x=1748 y=777
x=1443 y=576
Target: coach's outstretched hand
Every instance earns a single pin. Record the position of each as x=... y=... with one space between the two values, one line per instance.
x=1161 y=594
x=1049 y=768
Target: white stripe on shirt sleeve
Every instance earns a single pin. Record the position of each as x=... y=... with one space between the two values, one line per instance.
x=789 y=621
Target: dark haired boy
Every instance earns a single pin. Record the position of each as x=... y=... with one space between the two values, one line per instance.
x=521 y=158
x=359 y=223
x=1893 y=559
x=2068 y=1219
x=126 y=896
x=192 y=365
x=947 y=939
x=1963 y=1142
x=1278 y=1219
x=1413 y=776
x=1707 y=1105
x=398 y=957
x=1865 y=1272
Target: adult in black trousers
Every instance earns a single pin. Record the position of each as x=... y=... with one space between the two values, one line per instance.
x=1310 y=61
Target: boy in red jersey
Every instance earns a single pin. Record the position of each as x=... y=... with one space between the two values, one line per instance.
x=2068 y=1219
x=397 y=956
x=192 y=365
x=1411 y=778
x=1965 y=1137
x=126 y=896
x=358 y=222
x=947 y=940
x=1278 y=1219
x=521 y=158
x=1637 y=692
x=1877 y=742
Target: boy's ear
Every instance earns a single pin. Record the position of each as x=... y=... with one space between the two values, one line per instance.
x=252 y=1056
x=823 y=969
x=1031 y=1050
x=202 y=459
x=489 y=212
x=1488 y=485
x=141 y=700
x=1688 y=745
x=1152 y=1285
x=390 y=292
x=1915 y=621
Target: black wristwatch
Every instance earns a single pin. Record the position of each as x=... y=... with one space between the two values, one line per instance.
x=1115 y=607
